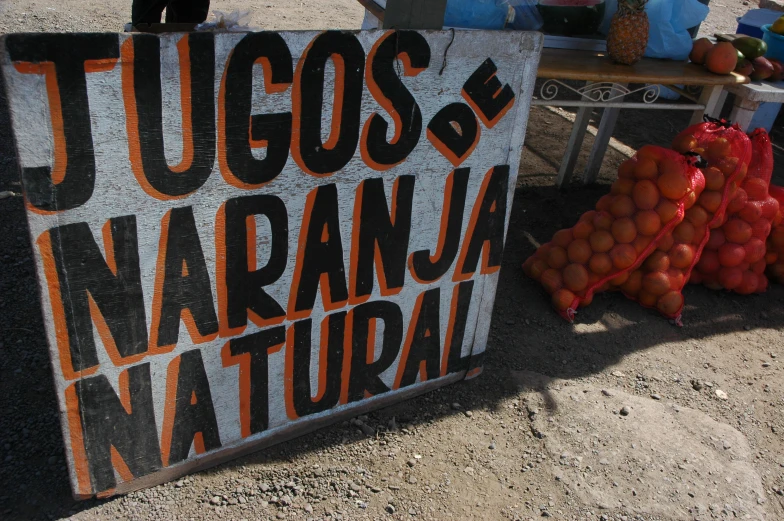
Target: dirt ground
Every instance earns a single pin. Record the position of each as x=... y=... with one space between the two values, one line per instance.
x=615 y=417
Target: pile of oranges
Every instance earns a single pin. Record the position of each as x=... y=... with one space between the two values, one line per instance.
x=734 y=257
x=669 y=199
x=598 y=254
x=701 y=213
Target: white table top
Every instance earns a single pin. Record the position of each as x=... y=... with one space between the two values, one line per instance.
x=761 y=91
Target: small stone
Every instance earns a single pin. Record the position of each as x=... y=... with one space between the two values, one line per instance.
x=353 y=486
x=469 y=471
x=412 y=512
x=308 y=508
x=280 y=515
x=411 y=462
x=264 y=487
x=765 y=364
x=625 y=411
x=721 y=394
x=233 y=501
x=215 y=500
x=456 y=406
x=697 y=385
x=180 y=484
x=375 y=490
x=412 y=480
x=607 y=392
x=390 y=509
x=491 y=446
x=726 y=445
x=367 y=430
x=617 y=374
x=656 y=397
x=469 y=414
x=604 y=461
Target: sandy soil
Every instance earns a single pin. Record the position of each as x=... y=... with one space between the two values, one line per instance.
x=512 y=444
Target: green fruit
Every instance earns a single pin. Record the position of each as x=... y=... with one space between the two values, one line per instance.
x=750 y=47
x=741 y=56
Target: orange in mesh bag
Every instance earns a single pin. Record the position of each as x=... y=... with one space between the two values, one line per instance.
x=775 y=254
x=734 y=256
x=644 y=204
x=659 y=281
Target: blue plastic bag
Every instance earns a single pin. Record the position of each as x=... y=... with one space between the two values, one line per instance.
x=476 y=14
x=669 y=23
x=527 y=17
x=493 y=14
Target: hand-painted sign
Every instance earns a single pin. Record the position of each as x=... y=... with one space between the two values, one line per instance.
x=242 y=237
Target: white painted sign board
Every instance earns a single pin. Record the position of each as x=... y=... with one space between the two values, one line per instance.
x=240 y=237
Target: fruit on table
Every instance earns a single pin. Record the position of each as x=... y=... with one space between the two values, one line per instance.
x=750 y=47
x=778 y=26
x=778 y=70
x=722 y=58
x=744 y=67
x=628 y=35
x=763 y=69
x=699 y=49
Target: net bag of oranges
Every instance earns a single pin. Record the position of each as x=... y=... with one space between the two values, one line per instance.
x=775 y=246
x=734 y=257
x=723 y=152
x=645 y=203
x=673 y=197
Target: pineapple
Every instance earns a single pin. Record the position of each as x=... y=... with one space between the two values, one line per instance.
x=628 y=36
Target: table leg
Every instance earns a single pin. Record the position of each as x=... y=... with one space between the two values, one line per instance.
x=574 y=145
x=743 y=112
x=606 y=126
x=720 y=104
x=710 y=99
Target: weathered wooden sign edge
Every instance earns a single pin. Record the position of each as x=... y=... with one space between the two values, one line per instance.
x=528 y=50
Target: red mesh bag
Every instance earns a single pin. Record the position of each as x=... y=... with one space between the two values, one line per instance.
x=734 y=257
x=659 y=282
x=774 y=257
x=600 y=251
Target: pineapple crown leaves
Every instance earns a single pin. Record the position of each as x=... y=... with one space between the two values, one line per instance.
x=631 y=6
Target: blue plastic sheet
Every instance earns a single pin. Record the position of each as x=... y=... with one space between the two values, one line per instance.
x=669 y=21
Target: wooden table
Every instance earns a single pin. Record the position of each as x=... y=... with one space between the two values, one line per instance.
x=607 y=84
